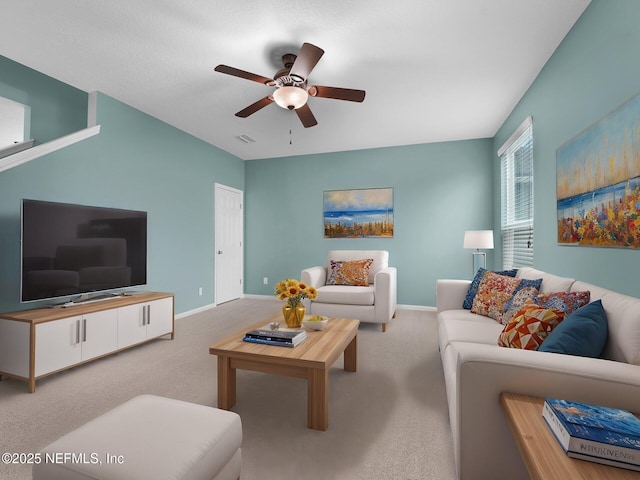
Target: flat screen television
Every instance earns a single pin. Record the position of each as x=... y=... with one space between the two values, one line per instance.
x=71 y=250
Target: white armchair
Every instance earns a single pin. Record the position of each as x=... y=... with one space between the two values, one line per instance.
x=373 y=303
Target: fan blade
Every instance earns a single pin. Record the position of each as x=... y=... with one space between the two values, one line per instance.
x=307 y=59
x=254 y=107
x=236 y=72
x=305 y=116
x=348 y=94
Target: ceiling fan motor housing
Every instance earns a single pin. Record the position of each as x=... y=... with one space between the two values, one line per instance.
x=283 y=78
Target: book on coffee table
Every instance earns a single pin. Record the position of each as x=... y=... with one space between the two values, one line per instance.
x=282 y=338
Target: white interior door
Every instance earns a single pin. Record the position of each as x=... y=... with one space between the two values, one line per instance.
x=228 y=247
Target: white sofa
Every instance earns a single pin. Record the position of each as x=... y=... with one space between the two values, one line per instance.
x=373 y=303
x=477 y=370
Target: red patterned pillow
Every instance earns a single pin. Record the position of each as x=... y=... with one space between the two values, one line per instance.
x=493 y=294
x=568 y=302
x=529 y=327
x=354 y=272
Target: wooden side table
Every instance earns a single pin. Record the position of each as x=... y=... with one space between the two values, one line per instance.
x=543 y=456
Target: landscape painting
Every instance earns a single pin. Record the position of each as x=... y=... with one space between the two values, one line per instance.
x=598 y=182
x=358 y=213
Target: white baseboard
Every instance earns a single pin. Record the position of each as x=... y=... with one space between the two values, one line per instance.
x=204 y=308
x=401 y=307
x=423 y=308
x=260 y=297
x=196 y=310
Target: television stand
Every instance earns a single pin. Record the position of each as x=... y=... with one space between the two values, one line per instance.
x=43 y=341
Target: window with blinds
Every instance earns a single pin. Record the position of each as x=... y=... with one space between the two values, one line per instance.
x=516 y=162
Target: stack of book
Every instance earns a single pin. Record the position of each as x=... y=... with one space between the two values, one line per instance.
x=599 y=434
x=281 y=338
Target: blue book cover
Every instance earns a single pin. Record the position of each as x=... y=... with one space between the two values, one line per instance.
x=265 y=341
x=606 y=425
x=282 y=335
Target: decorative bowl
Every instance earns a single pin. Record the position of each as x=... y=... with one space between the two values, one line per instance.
x=314 y=324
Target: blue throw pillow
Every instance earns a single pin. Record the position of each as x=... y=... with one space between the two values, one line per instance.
x=475 y=283
x=583 y=333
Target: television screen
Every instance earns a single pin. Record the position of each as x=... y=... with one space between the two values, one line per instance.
x=75 y=249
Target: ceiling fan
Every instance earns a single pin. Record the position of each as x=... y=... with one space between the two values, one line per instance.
x=291 y=87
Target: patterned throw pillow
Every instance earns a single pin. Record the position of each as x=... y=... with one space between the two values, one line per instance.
x=568 y=302
x=493 y=294
x=521 y=297
x=524 y=284
x=528 y=329
x=353 y=272
x=473 y=287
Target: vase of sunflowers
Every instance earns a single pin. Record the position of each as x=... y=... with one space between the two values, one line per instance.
x=294 y=292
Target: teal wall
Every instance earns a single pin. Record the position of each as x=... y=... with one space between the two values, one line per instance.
x=57 y=109
x=593 y=71
x=136 y=162
x=440 y=190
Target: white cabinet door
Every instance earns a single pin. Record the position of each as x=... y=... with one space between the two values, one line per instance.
x=137 y=323
x=65 y=342
x=58 y=344
x=159 y=317
x=99 y=333
x=132 y=326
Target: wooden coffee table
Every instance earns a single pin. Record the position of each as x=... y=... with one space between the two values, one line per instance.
x=310 y=360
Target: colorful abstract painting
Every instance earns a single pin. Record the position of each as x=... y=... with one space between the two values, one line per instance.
x=358 y=213
x=598 y=182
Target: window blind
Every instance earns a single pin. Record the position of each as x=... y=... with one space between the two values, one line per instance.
x=516 y=159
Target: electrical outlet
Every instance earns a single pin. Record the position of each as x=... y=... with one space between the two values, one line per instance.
x=265 y=281
x=200 y=291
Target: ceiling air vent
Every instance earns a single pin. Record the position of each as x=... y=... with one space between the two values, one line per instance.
x=245 y=138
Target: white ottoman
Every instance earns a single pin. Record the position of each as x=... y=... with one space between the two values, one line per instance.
x=148 y=437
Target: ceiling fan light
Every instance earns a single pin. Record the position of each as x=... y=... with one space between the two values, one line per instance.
x=290 y=97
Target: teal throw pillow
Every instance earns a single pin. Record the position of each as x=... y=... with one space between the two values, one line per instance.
x=583 y=333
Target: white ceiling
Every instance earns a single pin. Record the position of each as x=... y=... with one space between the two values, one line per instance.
x=433 y=70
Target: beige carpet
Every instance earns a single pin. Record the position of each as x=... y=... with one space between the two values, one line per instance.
x=387 y=421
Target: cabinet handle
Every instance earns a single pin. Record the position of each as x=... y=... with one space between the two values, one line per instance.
x=84 y=329
x=148 y=314
x=77 y=331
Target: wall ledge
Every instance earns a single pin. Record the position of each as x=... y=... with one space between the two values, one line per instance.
x=39 y=150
